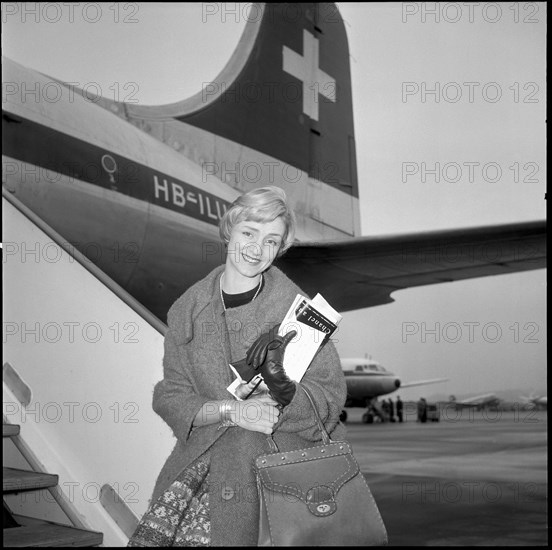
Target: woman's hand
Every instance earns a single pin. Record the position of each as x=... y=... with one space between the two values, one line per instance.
x=256 y=354
x=257 y=414
x=254 y=387
x=281 y=387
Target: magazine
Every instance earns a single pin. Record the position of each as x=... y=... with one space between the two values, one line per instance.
x=314 y=321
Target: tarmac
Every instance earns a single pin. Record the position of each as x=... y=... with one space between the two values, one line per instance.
x=471 y=479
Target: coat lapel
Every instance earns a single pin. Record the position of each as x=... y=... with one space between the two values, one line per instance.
x=219 y=318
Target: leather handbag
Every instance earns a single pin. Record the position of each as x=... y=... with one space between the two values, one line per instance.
x=316 y=496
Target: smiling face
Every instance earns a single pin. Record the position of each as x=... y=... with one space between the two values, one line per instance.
x=252 y=248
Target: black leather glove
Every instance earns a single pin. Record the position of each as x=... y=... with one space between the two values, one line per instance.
x=281 y=387
x=256 y=354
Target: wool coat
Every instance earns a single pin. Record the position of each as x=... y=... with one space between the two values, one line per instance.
x=201 y=341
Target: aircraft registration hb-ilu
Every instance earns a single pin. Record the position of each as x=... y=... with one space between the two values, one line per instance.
x=148 y=184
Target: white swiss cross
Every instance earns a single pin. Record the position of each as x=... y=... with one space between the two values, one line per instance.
x=305 y=68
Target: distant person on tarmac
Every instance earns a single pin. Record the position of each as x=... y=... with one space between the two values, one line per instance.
x=399 y=407
x=391 y=410
x=422 y=410
x=385 y=408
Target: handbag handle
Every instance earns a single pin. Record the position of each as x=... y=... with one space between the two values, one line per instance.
x=325 y=436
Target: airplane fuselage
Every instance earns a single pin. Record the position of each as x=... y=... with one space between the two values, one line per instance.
x=366 y=380
x=143 y=213
x=363 y=387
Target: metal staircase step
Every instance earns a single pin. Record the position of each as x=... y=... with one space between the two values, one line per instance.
x=36 y=532
x=15 y=480
x=10 y=429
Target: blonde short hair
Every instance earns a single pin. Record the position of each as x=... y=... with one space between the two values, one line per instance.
x=261 y=205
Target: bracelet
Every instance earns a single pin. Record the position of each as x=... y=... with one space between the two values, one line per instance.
x=226 y=409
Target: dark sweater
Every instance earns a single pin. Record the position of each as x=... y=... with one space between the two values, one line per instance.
x=202 y=339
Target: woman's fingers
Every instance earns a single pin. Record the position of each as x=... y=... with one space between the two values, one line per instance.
x=258 y=415
x=268 y=399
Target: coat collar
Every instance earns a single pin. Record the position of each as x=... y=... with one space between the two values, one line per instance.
x=206 y=293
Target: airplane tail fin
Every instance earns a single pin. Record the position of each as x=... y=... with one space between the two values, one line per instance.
x=282 y=107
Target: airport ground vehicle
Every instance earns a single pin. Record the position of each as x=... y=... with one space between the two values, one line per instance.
x=433 y=413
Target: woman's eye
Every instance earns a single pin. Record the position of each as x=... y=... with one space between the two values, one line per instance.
x=247 y=233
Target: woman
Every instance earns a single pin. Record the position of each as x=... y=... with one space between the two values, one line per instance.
x=206 y=492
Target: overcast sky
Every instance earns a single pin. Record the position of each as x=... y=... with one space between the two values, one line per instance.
x=487 y=66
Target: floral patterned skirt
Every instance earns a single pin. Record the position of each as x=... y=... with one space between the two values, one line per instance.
x=180 y=516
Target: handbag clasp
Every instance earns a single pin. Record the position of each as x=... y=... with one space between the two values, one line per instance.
x=321 y=501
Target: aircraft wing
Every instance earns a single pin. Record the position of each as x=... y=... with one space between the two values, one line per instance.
x=363 y=271
x=423 y=382
x=475 y=401
x=533 y=398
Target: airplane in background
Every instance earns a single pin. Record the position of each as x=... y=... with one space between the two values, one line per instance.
x=140 y=190
x=537 y=402
x=478 y=402
x=367 y=380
